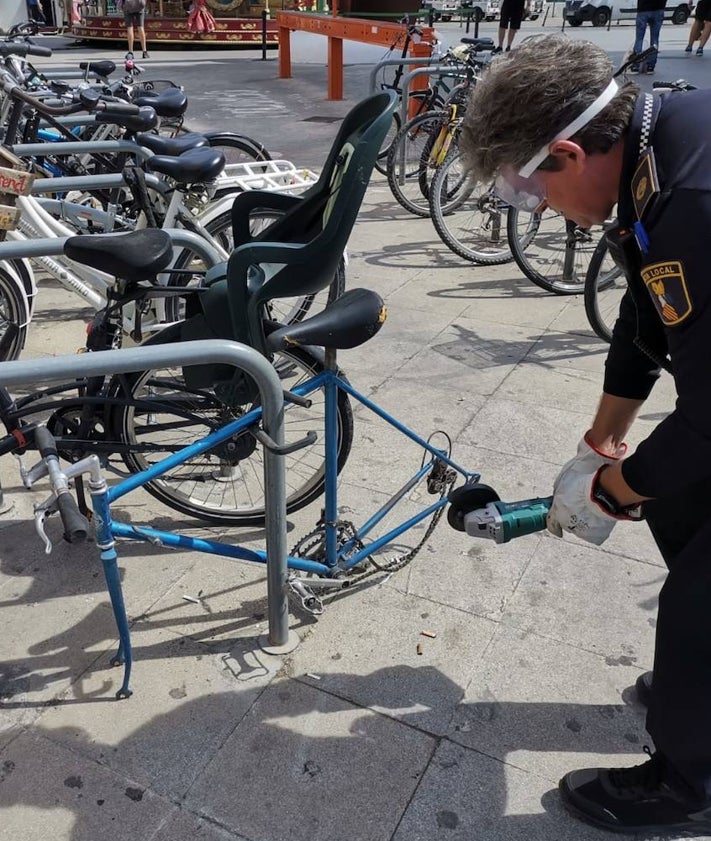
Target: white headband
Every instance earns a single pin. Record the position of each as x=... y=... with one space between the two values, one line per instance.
x=588 y=114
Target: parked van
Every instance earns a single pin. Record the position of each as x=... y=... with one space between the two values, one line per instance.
x=444 y=10
x=600 y=12
x=493 y=10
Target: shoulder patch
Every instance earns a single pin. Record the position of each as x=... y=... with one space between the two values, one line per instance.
x=645 y=184
x=666 y=285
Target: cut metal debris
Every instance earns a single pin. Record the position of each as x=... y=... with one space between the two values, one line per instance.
x=419 y=648
x=430 y=634
x=191 y=599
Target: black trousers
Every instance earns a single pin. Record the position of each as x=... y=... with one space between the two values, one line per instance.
x=679 y=715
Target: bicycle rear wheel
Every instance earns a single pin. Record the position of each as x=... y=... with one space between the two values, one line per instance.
x=605 y=284
x=161 y=415
x=14 y=314
x=409 y=166
x=550 y=250
x=468 y=217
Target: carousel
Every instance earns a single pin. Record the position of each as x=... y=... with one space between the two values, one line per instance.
x=180 y=21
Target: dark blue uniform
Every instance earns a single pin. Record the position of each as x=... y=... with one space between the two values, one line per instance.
x=664 y=213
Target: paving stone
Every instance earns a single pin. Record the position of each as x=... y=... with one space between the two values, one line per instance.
x=48 y=791
x=284 y=758
x=559 y=596
x=548 y=707
x=411 y=663
x=187 y=700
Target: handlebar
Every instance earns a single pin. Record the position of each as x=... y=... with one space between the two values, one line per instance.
x=76 y=526
x=635 y=58
x=88 y=100
x=23 y=48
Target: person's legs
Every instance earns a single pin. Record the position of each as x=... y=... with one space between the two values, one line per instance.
x=142 y=39
x=673 y=788
x=502 y=35
x=655 y=20
x=704 y=35
x=640 y=23
x=129 y=38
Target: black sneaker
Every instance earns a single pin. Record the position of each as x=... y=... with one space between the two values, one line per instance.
x=145 y=55
x=650 y=797
x=634 y=69
x=643 y=685
x=496 y=51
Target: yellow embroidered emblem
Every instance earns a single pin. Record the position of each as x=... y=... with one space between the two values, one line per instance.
x=666 y=285
x=641 y=190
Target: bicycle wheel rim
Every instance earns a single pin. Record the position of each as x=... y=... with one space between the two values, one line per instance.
x=550 y=250
x=605 y=285
x=14 y=315
x=214 y=486
x=410 y=169
x=469 y=219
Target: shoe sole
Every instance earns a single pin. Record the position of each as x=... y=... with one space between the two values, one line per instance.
x=570 y=806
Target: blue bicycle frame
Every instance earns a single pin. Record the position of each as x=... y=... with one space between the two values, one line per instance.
x=337 y=559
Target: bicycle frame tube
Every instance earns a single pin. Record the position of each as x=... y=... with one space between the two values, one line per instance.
x=336 y=559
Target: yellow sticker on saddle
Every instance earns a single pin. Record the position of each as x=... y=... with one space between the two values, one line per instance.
x=667 y=287
x=645 y=184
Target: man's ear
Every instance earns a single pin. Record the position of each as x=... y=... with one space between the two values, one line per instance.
x=568 y=153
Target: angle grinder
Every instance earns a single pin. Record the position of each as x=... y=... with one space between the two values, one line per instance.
x=477 y=509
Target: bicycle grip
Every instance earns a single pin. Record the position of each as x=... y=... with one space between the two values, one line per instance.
x=76 y=526
x=39 y=50
x=45 y=442
x=118 y=109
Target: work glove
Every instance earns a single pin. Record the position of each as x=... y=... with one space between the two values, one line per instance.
x=588 y=459
x=574 y=509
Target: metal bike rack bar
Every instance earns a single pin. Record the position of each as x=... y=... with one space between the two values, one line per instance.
x=439 y=69
x=394 y=62
x=51 y=246
x=107 y=181
x=80 y=147
x=25 y=372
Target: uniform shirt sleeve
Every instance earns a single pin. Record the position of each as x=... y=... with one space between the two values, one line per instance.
x=678 y=451
x=629 y=371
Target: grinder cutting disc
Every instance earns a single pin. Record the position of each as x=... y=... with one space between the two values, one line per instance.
x=468 y=498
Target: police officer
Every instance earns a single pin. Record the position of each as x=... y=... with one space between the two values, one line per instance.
x=550 y=124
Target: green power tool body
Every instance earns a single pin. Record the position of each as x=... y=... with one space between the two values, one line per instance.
x=477 y=510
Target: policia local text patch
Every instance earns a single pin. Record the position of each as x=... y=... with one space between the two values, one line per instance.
x=666 y=284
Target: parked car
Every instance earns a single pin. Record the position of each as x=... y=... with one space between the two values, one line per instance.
x=493 y=10
x=444 y=10
x=601 y=12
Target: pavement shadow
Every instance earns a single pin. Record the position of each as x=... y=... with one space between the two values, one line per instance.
x=289 y=753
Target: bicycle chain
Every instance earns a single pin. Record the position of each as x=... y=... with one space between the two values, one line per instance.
x=441 y=481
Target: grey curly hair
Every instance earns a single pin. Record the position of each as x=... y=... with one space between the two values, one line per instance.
x=530 y=94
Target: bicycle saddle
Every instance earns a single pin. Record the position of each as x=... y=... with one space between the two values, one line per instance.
x=101 y=68
x=145 y=120
x=137 y=255
x=171 y=102
x=348 y=322
x=190 y=167
x=172 y=146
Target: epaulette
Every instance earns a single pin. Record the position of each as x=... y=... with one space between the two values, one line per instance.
x=645 y=184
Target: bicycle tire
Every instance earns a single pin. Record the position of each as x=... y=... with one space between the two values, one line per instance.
x=381 y=162
x=209 y=487
x=409 y=169
x=467 y=217
x=605 y=285
x=283 y=310
x=550 y=250
x=14 y=315
x=237 y=148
